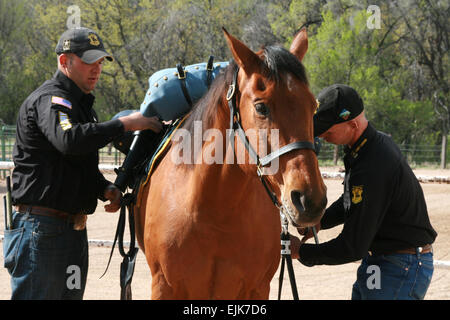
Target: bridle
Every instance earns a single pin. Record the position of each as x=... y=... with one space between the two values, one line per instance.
x=236 y=127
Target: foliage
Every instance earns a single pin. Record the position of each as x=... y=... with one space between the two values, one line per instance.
x=400 y=70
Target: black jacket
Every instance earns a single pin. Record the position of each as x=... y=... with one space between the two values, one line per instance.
x=56 y=150
x=383 y=208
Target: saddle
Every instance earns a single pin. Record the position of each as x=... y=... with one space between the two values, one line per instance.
x=171 y=94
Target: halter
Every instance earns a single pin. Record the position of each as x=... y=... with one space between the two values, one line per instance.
x=236 y=127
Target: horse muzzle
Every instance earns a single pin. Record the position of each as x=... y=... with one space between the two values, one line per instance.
x=303 y=210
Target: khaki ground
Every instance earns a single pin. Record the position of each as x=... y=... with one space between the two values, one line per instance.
x=320 y=282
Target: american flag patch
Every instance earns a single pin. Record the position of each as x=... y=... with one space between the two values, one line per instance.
x=62 y=102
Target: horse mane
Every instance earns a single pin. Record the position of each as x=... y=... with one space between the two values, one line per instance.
x=277 y=61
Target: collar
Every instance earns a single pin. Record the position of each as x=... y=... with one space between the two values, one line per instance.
x=73 y=89
x=351 y=154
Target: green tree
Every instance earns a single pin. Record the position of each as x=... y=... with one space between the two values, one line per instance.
x=14 y=87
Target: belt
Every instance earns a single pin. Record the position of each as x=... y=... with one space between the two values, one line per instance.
x=425 y=249
x=44 y=211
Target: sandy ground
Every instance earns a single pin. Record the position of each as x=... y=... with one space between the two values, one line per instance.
x=315 y=283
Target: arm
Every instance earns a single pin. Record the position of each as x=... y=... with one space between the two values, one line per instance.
x=362 y=222
x=57 y=123
x=334 y=215
x=136 y=121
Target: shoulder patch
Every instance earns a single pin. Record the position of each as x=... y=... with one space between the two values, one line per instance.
x=61 y=101
x=64 y=121
x=357 y=192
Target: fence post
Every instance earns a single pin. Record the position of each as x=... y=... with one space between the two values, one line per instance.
x=3 y=147
x=444 y=151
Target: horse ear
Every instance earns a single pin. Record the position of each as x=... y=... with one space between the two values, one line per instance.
x=244 y=57
x=299 y=45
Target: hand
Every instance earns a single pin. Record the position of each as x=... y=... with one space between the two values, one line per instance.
x=295 y=246
x=113 y=194
x=308 y=233
x=136 y=121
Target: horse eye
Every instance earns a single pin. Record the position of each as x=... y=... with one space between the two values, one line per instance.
x=262 y=109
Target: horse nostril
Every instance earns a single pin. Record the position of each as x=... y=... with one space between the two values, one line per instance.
x=298 y=199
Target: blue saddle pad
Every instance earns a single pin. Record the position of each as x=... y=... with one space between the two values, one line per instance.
x=165 y=97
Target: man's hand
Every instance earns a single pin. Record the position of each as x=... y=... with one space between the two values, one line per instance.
x=308 y=233
x=136 y=121
x=113 y=194
x=295 y=246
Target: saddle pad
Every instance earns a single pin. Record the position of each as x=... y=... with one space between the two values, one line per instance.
x=163 y=146
x=165 y=97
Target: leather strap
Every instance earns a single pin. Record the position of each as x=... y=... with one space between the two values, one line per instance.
x=209 y=71
x=285 y=149
x=422 y=250
x=286 y=259
x=129 y=258
x=44 y=211
x=182 y=77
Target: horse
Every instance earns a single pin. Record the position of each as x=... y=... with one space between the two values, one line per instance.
x=210 y=230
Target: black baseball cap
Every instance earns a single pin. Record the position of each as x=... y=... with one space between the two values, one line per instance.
x=85 y=43
x=337 y=103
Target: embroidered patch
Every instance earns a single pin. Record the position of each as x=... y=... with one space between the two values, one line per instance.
x=66 y=45
x=357 y=194
x=93 y=40
x=62 y=102
x=317 y=107
x=64 y=121
x=344 y=114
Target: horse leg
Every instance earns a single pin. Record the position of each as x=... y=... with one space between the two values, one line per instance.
x=261 y=293
x=161 y=290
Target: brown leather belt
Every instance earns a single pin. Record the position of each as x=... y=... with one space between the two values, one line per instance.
x=425 y=249
x=44 y=211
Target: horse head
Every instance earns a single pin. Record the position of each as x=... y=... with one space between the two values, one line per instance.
x=273 y=96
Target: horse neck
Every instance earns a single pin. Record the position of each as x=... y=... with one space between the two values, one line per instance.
x=228 y=180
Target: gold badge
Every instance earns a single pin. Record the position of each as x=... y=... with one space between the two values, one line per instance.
x=93 y=39
x=357 y=194
x=318 y=104
x=66 y=45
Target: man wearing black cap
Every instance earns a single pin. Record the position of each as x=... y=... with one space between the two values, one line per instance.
x=383 y=209
x=56 y=180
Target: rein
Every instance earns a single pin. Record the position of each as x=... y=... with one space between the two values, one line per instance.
x=236 y=127
x=129 y=258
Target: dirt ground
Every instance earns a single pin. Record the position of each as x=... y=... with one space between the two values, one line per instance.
x=315 y=283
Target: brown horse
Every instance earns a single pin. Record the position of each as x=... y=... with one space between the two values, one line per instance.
x=210 y=230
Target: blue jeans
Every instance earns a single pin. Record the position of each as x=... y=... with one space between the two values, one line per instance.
x=46 y=258
x=393 y=277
